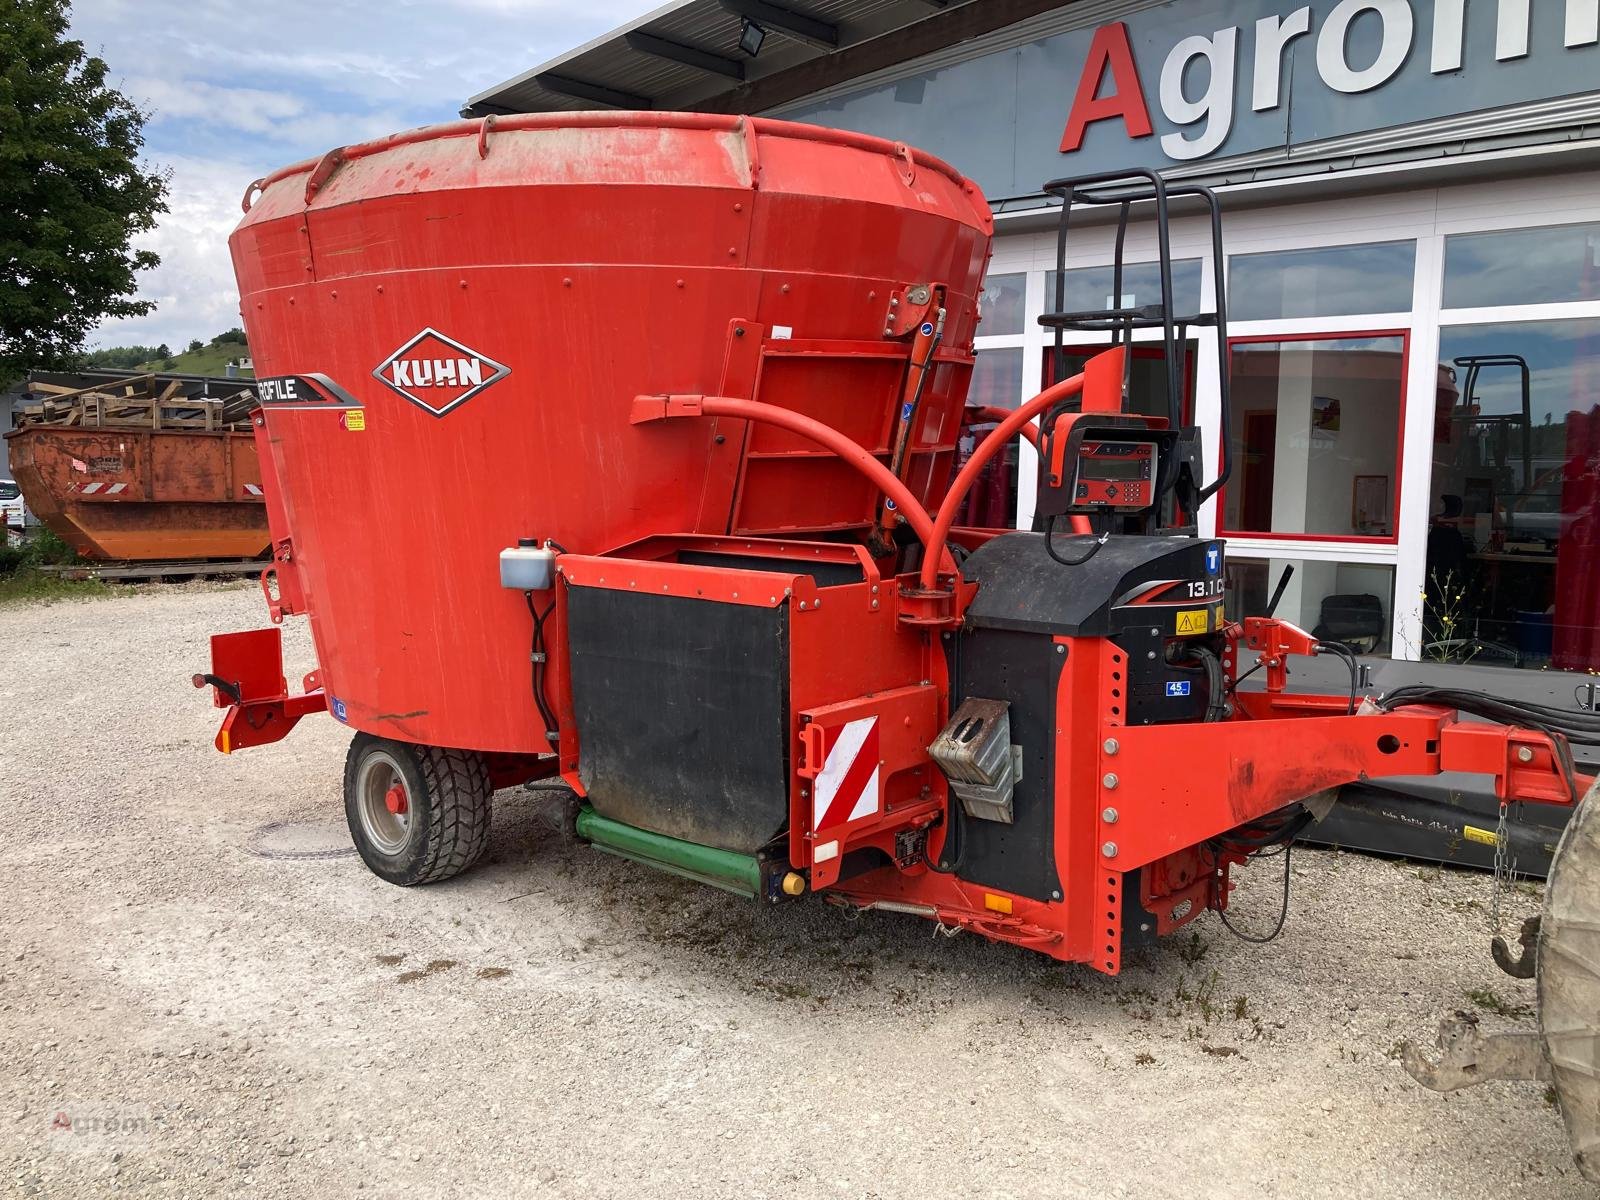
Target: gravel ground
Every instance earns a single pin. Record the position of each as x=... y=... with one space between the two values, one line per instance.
x=558 y=1023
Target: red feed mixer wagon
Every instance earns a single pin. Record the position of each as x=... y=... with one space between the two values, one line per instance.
x=624 y=447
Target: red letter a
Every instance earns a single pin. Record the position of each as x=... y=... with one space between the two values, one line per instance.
x=1109 y=48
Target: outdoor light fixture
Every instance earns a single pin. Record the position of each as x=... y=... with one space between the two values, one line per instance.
x=751 y=36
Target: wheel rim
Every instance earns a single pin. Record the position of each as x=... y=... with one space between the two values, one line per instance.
x=384 y=803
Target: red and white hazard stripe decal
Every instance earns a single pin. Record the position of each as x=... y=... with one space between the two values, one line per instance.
x=847 y=788
x=101 y=489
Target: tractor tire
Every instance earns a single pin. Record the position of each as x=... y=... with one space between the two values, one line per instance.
x=417 y=814
x=1569 y=981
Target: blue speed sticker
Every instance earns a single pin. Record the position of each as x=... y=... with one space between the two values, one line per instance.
x=1179 y=687
x=337 y=706
x=1213 y=559
x=927 y=329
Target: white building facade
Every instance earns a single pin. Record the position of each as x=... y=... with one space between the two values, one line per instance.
x=1411 y=196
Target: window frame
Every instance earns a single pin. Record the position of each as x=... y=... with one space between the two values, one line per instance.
x=1555 y=222
x=1265 y=556
x=1349 y=242
x=1200 y=261
x=1142 y=349
x=994 y=271
x=1276 y=536
x=1400 y=208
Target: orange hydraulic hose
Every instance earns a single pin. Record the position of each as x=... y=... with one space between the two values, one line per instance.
x=982 y=414
x=937 y=550
x=851 y=452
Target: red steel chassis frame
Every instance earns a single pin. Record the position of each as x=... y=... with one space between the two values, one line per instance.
x=873 y=647
x=1120 y=805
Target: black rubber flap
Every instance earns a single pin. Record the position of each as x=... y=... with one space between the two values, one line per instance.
x=1419 y=819
x=1023 y=670
x=682 y=713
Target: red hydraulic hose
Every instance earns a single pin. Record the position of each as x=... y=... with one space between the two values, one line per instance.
x=998 y=437
x=851 y=452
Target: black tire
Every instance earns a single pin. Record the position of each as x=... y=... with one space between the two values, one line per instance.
x=444 y=826
x=1569 y=981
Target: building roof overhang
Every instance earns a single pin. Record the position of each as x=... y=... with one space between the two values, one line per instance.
x=686 y=54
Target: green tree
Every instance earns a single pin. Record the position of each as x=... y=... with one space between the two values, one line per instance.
x=195 y=347
x=73 y=194
x=117 y=357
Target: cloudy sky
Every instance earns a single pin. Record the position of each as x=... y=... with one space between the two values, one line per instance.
x=238 y=87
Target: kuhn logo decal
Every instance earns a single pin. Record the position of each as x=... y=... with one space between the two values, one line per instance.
x=437 y=373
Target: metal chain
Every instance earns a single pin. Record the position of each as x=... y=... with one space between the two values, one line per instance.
x=1504 y=871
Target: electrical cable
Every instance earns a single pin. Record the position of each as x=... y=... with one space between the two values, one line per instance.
x=1283 y=911
x=1216 y=694
x=1216 y=697
x=1254 y=836
x=1255 y=842
x=1581 y=727
x=537 y=657
x=1341 y=650
x=1234 y=685
x=1564 y=727
x=1049 y=545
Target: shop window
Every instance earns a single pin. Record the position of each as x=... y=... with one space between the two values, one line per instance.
x=1091 y=289
x=992 y=502
x=1314 y=437
x=1002 y=304
x=1147 y=384
x=1522 y=266
x=1334 y=281
x=1344 y=602
x=1513 y=567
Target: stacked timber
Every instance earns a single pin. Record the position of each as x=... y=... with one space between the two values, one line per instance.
x=144 y=401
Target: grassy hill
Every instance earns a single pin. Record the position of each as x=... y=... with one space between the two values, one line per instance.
x=210 y=360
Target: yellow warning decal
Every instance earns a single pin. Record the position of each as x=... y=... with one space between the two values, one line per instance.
x=1194 y=620
x=1473 y=834
x=354 y=419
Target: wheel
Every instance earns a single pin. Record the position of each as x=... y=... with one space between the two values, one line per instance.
x=1569 y=980
x=417 y=814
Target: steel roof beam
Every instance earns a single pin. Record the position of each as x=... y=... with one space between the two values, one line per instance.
x=796 y=25
x=595 y=93
x=688 y=56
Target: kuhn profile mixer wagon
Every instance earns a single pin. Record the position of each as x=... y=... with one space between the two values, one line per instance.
x=624 y=447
